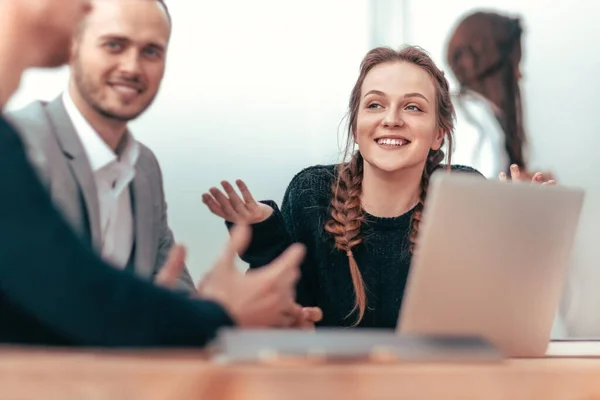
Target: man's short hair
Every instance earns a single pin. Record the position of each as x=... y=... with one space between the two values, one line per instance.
x=162 y=3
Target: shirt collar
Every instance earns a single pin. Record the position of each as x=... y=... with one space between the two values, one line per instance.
x=98 y=152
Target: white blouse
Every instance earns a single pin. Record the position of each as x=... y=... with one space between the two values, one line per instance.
x=478 y=136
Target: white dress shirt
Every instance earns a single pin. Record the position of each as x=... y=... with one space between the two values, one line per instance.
x=112 y=173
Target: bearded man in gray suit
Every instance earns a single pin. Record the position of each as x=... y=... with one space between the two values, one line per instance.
x=107 y=184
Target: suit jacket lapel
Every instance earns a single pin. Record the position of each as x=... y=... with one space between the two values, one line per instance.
x=145 y=249
x=79 y=164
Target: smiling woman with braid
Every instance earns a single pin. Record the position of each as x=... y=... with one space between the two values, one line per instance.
x=359 y=219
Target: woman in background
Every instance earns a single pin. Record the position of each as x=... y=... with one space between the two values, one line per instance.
x=484 y=53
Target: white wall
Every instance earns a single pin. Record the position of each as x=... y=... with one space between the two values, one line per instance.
x=253 y=90
x=560 y=66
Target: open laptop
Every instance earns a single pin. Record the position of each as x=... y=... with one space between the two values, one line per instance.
x=491 y=261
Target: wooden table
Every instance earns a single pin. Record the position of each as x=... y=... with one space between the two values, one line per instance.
x=66 y=375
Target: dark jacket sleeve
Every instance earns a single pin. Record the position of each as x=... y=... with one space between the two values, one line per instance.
x=46 y=272
x=270 y=238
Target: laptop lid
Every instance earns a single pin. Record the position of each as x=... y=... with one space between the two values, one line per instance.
x=491 y=261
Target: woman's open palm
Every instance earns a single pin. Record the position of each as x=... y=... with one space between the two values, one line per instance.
x=233 y=208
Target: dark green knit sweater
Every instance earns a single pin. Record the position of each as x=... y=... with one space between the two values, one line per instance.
x=383 y=256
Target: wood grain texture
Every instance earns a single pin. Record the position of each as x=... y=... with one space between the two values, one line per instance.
x=83 y=375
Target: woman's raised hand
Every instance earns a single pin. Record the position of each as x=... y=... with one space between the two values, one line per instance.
x=233 y=208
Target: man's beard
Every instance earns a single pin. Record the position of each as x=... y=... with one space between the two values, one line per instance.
x=89 y=92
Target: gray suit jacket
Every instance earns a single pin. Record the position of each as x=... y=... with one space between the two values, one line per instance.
x=63 y=166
